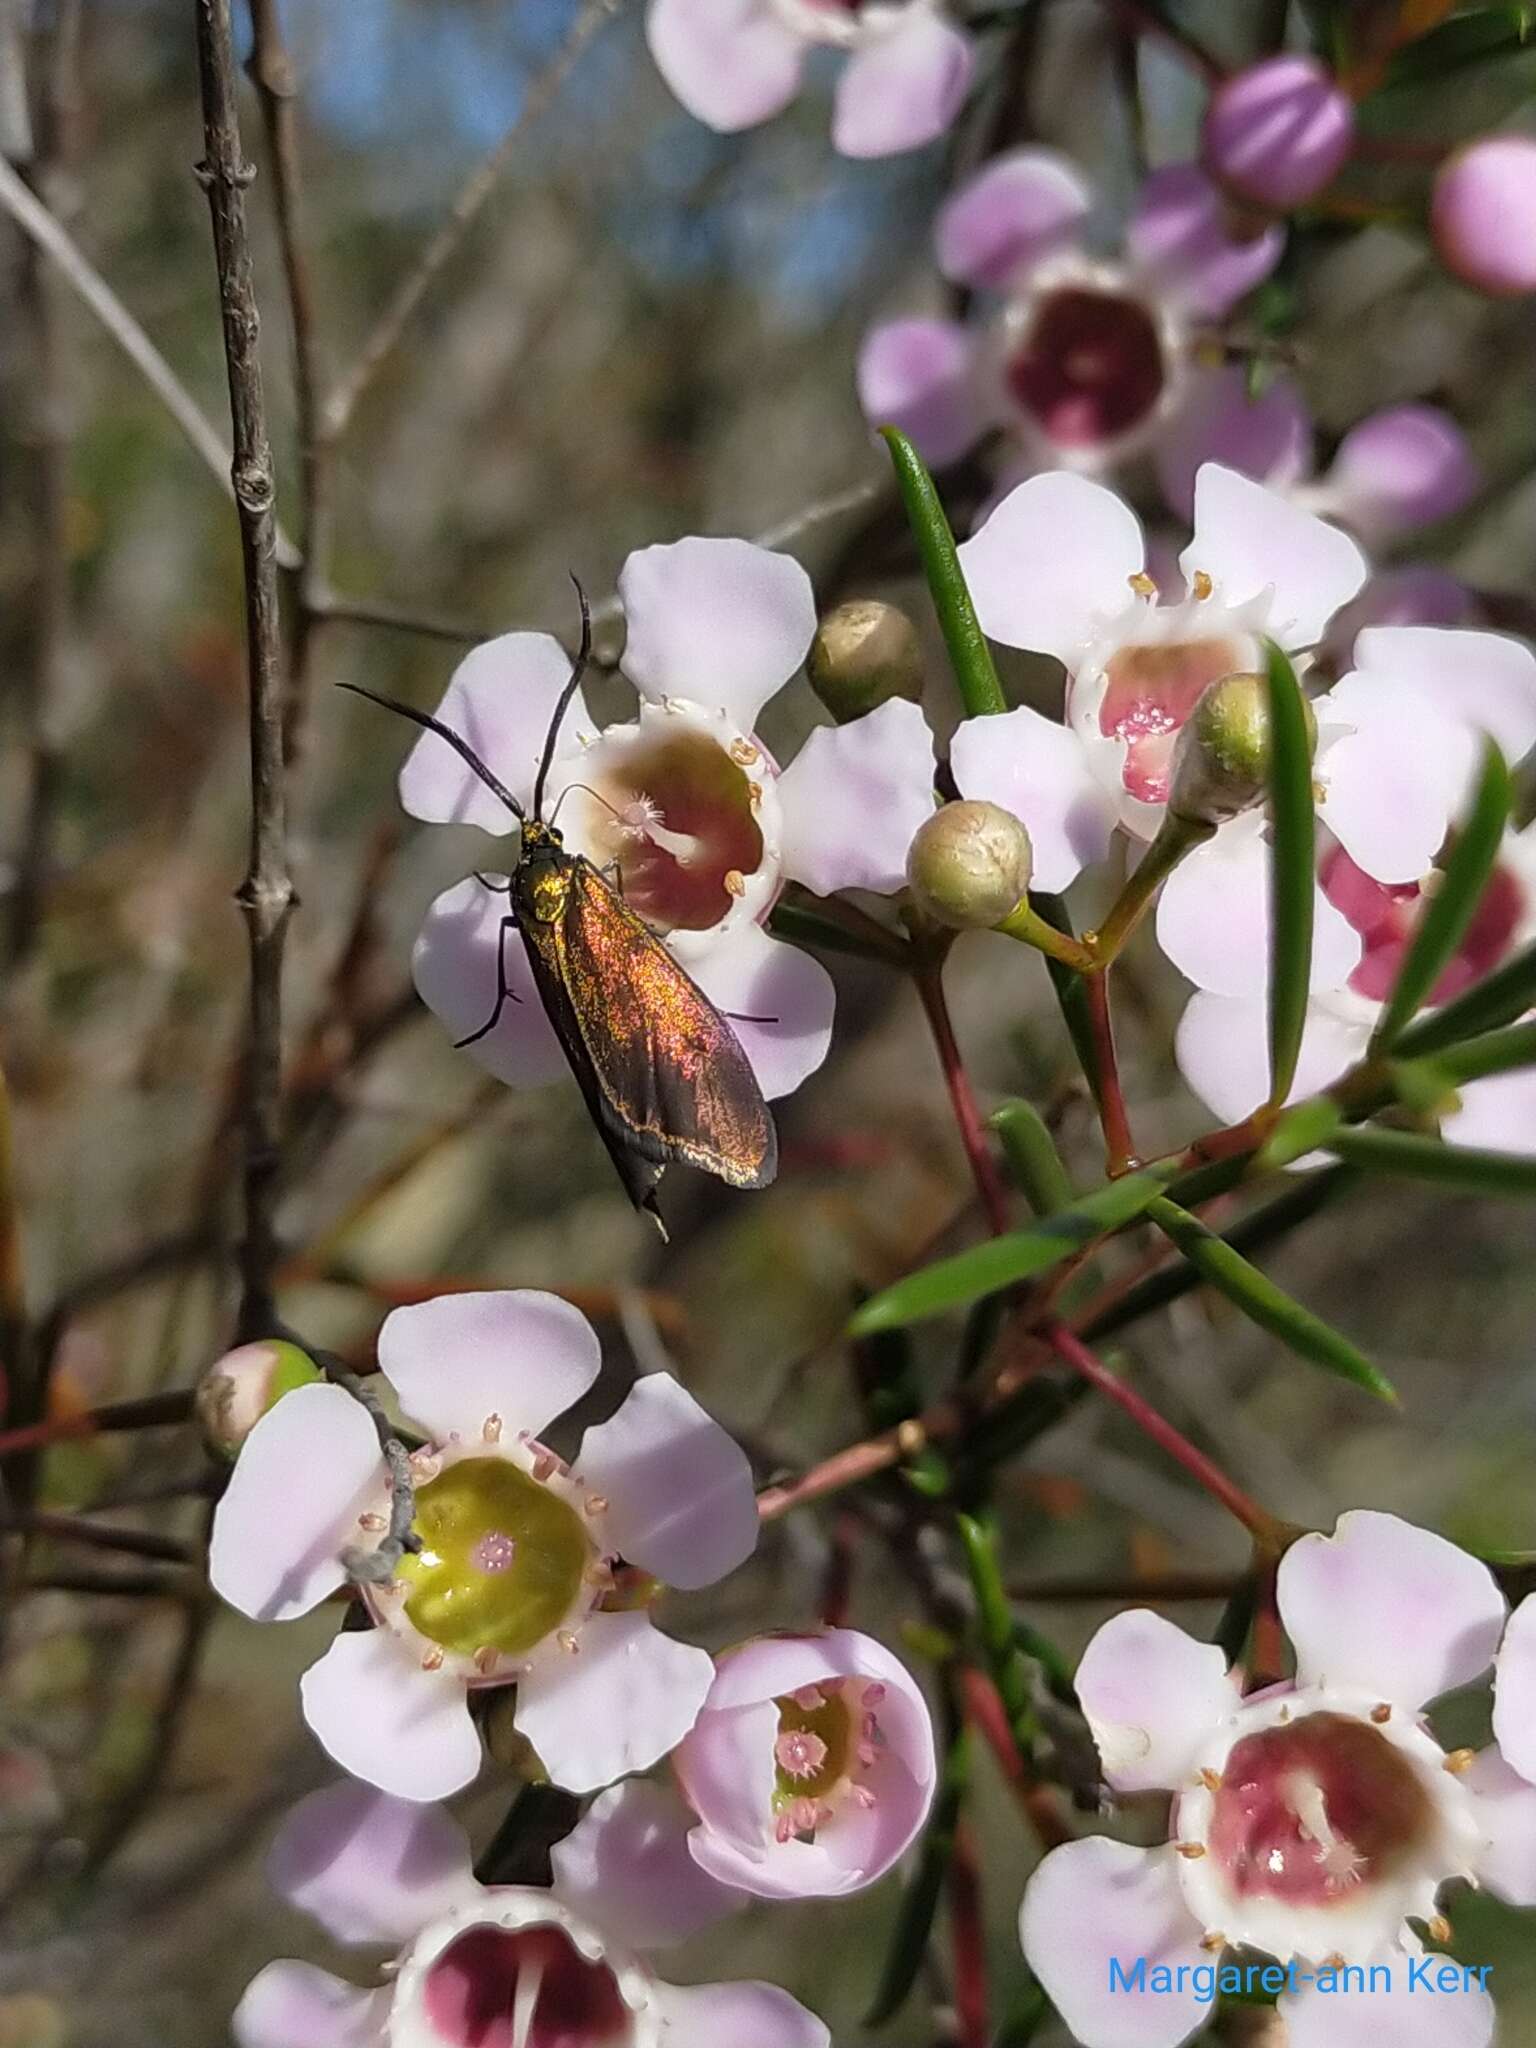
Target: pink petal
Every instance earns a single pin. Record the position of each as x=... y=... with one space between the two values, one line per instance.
x=1483 y=680
x=626 y=1696
x=369 y=1868
x=1406 y=2016
x=516 y=1353
x=919 y=375
x=902 y=88
x=720 y=622
x=1213 y=919
x=1179 y=234
x=1039 y=771
x=454 y=967
x=1268 y=438
x=779 y=1002
x=287 y=1512
x=1249 y=539
x=1095 y=1902
x=732 y=63
x=1391 y=1608
x=1023 y=205
x=626 y=1867
x=1514 y=1690
x=1055 y=557
x=1505 y=1806
x=385 y=1720
x=500 y=699
x=725 y=1766
x=681 y=1504
x=1222 y=1049
x=1153 y=1697
x=1406 y=466
x=1417 y=594
x=742 y=2015
x=854 y=796
x=294 y=2005
x=1394 y=779
x=1499 y=1113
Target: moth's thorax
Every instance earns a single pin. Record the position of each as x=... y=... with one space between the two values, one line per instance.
x=541 y=883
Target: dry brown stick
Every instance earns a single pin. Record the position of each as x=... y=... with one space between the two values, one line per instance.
x=266 y=894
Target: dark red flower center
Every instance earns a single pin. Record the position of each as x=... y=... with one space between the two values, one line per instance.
x=675 y=821
x=1090 y=366
x=1149 y=693
x=498 y=1988
x=1385 y=915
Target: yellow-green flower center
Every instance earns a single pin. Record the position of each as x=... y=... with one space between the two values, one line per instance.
x=501 y=1559
x=813 y=1748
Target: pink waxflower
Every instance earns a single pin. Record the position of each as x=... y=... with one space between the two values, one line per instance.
x=1278 y=133
x=1311 y=1821
x=517 y=1548
x=734 y=63
x=1078 y=360
x=501 y=1966
x=683 y=805
x=810 y=1768
x=1482 y=215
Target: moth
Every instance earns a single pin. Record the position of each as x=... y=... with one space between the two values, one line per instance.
x=663 y=1075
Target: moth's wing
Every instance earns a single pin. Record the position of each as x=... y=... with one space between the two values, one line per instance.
x=673 y=1071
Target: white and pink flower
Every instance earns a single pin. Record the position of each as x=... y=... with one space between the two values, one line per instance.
x=683 y=805
x=810 y=1768
x=501 y=1966
x=735 y=63
x=1316 y=1819
x=517 y=1548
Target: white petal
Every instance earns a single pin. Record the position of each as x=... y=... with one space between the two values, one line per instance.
x=779 y=1002
x=732 y=63
x=1499 y=1113
x=1039 y=771
x=1505 y=1806
x=455 y=965
x=294 y=2005
x=854 y=796
x=720 y=622
x=1213 y=919
x=1249 y=539
x=1222 y=1048
x=626 y=1866
x=902 y=90
x=1395 y=779
x=735 y=2016
x=1483 y=680
x=1053 y=558
x=385 y=1720
x=1514 y=1690
x=1153 y=1697
x=514 y=1352
x=368 y=1867
x=1016 y=209
x=500 y=699
x=1405 y=2016
x=626 y=1696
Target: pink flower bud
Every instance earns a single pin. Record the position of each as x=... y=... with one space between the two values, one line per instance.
x=1277 y=134
x=1482 y=215
x=237 y=1390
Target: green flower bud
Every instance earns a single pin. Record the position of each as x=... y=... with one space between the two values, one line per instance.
x=969 y=866
x=865 y=653
x=237 y=1390
x=1221 y=761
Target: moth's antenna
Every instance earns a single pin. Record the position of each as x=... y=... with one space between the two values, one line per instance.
x=578 y=670
x=460 y=746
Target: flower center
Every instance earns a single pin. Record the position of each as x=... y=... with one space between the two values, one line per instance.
x=1310 y=1810
x=1386 y=914
x=1150 y=691
x=1089 y=368
x=829 y=1738
x=527 y=1987
x=501 y=1561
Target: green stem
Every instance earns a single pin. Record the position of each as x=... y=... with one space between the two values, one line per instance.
x=1031 y=928
x=1175 y=838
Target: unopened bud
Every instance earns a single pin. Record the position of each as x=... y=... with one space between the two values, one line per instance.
x=237 y=1390
x=970 y=865
x=1482 y=215
x=1221 y=761
x=1278 y=133
x=865 y=653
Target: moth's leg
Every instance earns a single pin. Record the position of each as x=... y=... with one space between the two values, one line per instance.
x=501 y=888
x=504 y=992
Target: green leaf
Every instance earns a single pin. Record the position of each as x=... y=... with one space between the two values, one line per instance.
x=1472 y=1168
x=1264 y=1303
x=1034 y=1164
x=1020 y=1255
x=1496 y=1052
x=810 y=930
x=1447 y=913
x=1293 y=869
x=1005 y=1661
x=969 y=655
x=1025 y=2017
x=1070 y=991
x=920 y=1901
x=1300 y=1131
x=1498 y=999
x=1475 y=37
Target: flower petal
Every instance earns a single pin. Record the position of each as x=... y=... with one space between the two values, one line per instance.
x=1268 y=437
x=726 y=1769
x=1403 y=2015
x=1039 y=771
x=1249 y=539
x=1023 y=205
x=1222 y=1049
x=854 y=796
x=500 y=699
x=454 y=966
x=626 y=1865
x=385 y=1720
x=285 y=1516
x=1389 y=1607
x=1514 y=1690
x=1179 y=235
x=720 y=622
x=903 y=88
x=681 y=1504
x=1153 y=1696
x=1096 y=1902
x=294 y=2005
x=1405 y=466
x=625 y=1697
x=918 y=375
x=779 y=1002
x=743 y=2015
x=1213 y=919
x=1499 y=1113
x=732 y=63
x=514 y=1352
x=1053 y=558
x=1394 y=775
x=368 y=1867
x=1505 y=1806
x=1485 y=681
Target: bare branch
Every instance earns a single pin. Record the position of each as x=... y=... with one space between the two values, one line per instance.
x=396 y=618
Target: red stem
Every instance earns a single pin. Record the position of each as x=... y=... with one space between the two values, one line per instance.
x=973 y=1136
x=1119 y=1144
x=155 y=1410
x=968 y=1941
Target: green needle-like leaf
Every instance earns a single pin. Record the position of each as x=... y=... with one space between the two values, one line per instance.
x=1264 y=1303
x=1405 y=1153
x=1448 y=912
x=920 y=1900
x=969 y=655
x=1498 y=999
x=1293 y=869
x=1034 y=1164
